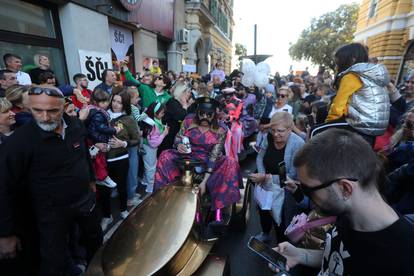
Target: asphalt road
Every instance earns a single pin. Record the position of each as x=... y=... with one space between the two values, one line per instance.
x=234 y=245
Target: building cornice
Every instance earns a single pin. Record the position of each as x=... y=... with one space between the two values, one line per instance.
x=390 y=23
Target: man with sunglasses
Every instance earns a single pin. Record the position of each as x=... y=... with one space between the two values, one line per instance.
x=46 y=185
x=339 y=172
x=281 y=105
x=206 y=137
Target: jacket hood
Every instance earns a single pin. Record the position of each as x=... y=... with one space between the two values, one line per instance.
x=377 y=73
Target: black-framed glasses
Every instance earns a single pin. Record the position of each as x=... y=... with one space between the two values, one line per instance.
x=281 y=95
x=48 y=91
x=309 y=190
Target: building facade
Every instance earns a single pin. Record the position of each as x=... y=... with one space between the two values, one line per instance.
x=210 y=24
x=89 y=36
x=387 y=28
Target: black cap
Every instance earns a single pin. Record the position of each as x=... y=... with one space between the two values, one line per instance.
x=207 y=104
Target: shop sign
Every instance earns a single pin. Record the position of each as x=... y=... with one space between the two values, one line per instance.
x=93 y=64
x=121 y=40
x=130 y=5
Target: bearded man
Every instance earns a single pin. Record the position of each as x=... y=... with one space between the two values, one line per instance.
x=207 y=139
x=46 y=184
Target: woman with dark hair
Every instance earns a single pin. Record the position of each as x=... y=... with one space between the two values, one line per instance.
x=361 y=103
x=149 y=94
x=296 y=101
x=117 y=157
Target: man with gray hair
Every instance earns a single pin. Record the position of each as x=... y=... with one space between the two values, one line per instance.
x=47 y=164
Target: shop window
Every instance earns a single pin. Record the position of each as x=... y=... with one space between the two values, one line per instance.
x=26 y=18
x=28 y=30
x=28 y=53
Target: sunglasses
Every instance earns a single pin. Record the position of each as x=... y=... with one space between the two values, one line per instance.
x=306 y=190
x=203 y=113
x=281 y=96
x=409 y=125
x=48 y=91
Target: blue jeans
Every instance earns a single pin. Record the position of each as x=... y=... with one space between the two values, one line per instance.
x=132 y=181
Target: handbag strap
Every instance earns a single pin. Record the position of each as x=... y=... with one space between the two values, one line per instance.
x=319 y=222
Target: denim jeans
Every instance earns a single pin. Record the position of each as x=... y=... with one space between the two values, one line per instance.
x=132 y=181
x=150 y=163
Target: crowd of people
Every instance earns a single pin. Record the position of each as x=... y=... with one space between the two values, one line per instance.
x=339 y=147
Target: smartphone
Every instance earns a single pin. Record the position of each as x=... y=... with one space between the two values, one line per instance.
x=267 y=253
x=282 y=173
x=93 y=151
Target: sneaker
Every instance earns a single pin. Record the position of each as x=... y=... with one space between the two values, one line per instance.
x=263 y=237
x=109 y=182
x=105 y=223
x=124 y=214
x=134 y=201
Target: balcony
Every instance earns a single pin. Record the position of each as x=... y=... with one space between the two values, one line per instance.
x=198 y=6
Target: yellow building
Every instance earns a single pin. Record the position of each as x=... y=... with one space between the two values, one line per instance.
x=210 y=23
x=387 y=28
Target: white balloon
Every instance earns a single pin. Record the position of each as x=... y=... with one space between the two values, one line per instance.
x=261 y=79
x=248 y=67
x=247 y=80
x=263 y=67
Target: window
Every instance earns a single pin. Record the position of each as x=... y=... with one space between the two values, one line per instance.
x=373 y=8
x=214 y=9
x=222 y=22
x=27 y=30
x=28 y=52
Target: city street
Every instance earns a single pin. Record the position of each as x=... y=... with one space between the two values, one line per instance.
x=234 y=245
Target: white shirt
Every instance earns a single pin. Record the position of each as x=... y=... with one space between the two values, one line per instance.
x=23 y=78
x=286 y=108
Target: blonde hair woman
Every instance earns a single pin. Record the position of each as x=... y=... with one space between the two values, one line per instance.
x=175 y=114
x=7 y=119
x=19 y=98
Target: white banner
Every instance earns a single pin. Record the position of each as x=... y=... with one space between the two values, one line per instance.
x=93 y=64
x=121 y=39
x=189 y=68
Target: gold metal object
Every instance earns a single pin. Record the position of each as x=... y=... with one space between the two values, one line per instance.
x=189 y=258
x=187 y=178
x=151 y=235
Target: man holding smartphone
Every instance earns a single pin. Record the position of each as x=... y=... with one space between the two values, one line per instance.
x=338 y=171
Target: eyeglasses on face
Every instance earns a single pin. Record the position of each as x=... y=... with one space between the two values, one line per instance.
x=309 y=190
x=48 y=91
x=281 y=95
x=203 y=113
x=278 y=130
